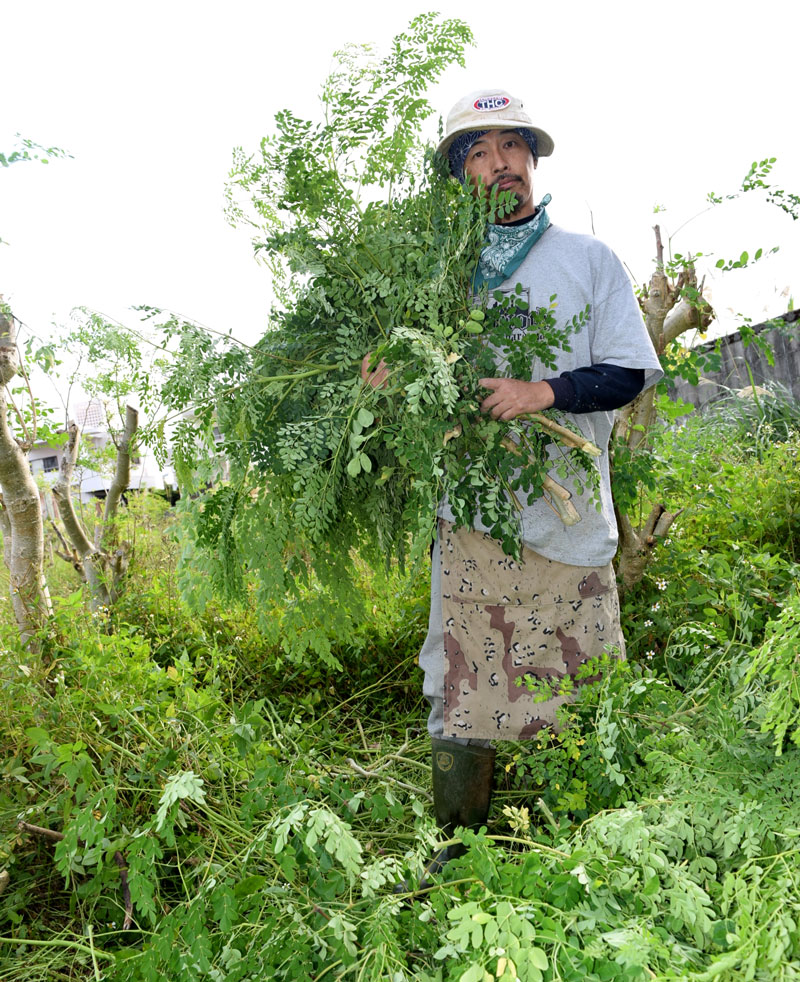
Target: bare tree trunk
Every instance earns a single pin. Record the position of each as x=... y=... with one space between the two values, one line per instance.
x=102 y=567
x=636 y=545
x=122 y=474
x=23 y=526
x=669 y=311
x=119 y=552
x=91 y=557
x=118 y=559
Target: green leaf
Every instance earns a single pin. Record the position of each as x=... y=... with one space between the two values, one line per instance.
x=186 y=785
x=38 y=736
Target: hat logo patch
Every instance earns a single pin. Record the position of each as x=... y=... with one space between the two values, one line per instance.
x=490 y=103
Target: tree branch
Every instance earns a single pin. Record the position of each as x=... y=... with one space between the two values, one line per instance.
x=89 y=555
x=122 y=473
x=62 y=492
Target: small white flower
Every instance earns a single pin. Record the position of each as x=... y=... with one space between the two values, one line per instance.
x=650 y=654
x=697 y=487
x=661 y=583
x=648 y=623
x=655 y=606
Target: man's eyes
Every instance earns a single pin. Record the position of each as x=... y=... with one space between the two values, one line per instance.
x=506 y=144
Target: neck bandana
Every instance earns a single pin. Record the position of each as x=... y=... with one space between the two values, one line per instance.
x=507 y=246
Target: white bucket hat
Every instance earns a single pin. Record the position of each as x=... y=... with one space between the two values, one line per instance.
x=491 y=109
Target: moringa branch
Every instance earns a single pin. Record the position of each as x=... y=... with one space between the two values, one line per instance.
x=91 y=558
x=119 y=859
x=122 y=473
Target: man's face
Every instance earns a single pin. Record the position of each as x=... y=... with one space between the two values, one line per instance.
x=504 y=159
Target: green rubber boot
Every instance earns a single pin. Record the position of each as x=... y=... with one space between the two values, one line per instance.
x=462 y=793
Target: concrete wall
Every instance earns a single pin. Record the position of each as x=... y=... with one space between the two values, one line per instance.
x=785 y=342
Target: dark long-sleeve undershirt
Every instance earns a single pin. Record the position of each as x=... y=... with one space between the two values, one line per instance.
x=596 y=388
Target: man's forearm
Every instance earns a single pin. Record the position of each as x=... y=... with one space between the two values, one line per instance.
x=596 y=388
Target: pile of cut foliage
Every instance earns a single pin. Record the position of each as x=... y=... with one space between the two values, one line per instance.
x=374 y=249
x=259 y=837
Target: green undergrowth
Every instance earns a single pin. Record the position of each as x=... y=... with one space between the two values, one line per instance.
x=262 y=805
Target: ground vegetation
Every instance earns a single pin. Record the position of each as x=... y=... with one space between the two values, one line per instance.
x=181 y=801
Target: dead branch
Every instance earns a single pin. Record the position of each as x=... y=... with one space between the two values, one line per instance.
x=119 y=859
x=66 y=553
x=386 y=777
x=40 y=830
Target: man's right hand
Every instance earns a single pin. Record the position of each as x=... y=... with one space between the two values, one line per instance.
x=376 y=377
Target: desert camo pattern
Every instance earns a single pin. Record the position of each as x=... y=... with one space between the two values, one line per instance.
x=504 y=620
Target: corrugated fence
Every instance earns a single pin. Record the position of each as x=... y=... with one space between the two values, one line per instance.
x=736 y=358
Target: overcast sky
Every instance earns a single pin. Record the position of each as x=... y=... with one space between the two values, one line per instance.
x=648 y=105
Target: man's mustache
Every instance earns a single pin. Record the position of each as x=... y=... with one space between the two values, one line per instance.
x=504 y=177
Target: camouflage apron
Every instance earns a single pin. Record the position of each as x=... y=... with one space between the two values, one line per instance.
x=504 y=621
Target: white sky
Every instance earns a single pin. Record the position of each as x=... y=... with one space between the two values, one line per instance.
x=648 y=104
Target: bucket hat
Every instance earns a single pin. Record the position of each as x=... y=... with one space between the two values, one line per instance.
x=491 y=109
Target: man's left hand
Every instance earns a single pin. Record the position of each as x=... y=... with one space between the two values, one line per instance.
x=511 y=397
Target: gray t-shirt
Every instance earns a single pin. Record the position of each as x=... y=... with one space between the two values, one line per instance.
x=581 y=271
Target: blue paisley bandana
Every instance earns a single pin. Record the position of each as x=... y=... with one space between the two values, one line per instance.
x=507 y=246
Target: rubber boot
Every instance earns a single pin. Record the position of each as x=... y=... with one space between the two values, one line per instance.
x=462 y=793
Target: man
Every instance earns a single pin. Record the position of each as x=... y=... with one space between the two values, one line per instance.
x=495 y=623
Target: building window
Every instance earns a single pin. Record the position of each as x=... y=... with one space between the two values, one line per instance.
x=49 y=464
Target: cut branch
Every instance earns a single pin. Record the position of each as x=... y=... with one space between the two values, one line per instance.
x=41 y=831
x=559 y=501
x=566 y=436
